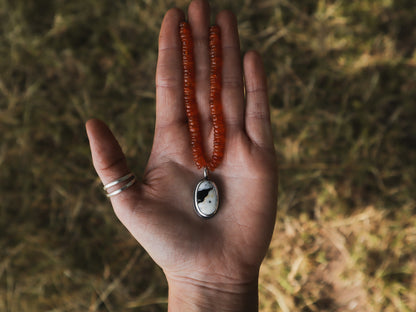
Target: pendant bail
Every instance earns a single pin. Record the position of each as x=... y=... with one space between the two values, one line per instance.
x=205 y=172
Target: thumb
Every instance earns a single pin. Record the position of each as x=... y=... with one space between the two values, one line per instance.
x=109 y=161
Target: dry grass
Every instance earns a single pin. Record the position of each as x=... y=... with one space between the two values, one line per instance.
x=343 y=83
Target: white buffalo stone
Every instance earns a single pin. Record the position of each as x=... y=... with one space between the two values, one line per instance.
x=206 y=198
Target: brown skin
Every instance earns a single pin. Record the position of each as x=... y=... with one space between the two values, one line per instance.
x=210 y=264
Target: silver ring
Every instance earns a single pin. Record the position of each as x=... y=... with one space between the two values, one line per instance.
x=127 y=177
x=122 y=179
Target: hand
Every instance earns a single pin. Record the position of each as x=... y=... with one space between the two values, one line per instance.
x=202 y=258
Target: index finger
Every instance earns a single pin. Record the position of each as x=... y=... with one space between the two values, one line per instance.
x=169 y=93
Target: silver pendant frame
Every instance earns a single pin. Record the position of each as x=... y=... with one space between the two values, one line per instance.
x=196 y=206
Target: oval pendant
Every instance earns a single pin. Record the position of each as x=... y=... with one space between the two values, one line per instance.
x=206 y=198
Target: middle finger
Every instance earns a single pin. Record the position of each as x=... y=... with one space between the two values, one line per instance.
x=198 y=16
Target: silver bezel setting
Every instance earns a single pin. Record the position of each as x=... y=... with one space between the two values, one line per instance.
x=196 y=207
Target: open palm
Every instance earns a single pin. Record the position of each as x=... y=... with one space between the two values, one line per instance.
x=159 y=211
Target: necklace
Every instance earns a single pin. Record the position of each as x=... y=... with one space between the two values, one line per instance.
x=206 y=197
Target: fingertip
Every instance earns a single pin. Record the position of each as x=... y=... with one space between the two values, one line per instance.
x=258 y=125
x=254 y=70
x=92 y=123
x=253 y=60
x=172 y=17
x=169 y=31
x=226 y=16
x=170 y=22
x=198 y=6
x=227 y=21
x=175 y=13
x=104 y=146
x=198 y=17
x=252 y=56
x=96 y=128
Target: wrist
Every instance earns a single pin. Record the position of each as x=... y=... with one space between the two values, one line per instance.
x=188 y=294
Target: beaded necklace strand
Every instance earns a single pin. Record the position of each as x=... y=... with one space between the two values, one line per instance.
x=206 y=197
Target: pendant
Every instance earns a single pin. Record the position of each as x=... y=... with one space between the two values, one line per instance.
x=206 y=198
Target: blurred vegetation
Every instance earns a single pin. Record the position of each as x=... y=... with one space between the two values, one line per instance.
x=342 y=80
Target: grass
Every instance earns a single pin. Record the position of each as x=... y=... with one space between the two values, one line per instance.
x=342 y=80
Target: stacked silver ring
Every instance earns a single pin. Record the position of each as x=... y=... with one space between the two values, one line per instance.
x=130 y=179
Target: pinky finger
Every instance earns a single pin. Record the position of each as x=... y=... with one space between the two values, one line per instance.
x=258 y=125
